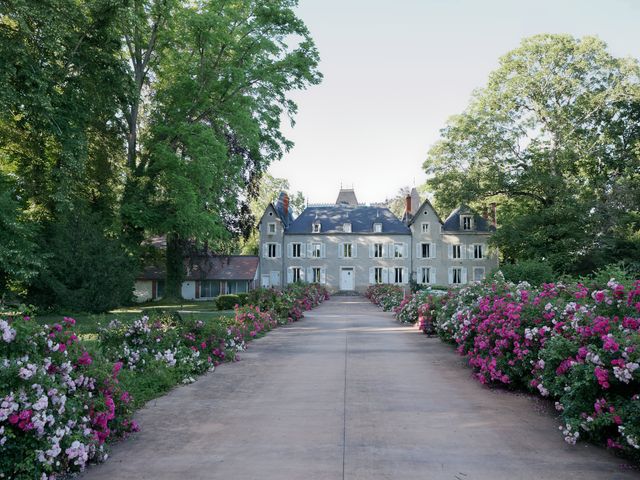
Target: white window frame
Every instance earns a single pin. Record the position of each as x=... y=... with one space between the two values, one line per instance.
x=275 y=250
x=398 y=253
x=316 y=227
x=299 y=271
x=484 y=273
x=424 y=227
x=463 y=218
x=378 y=279
x=293 y=250
x=377 y=228
x=316 y=278
x=422 y=255
x=378 y=248
x=429 y=275
x=458 y=247
x=318 y=250
x=347 y=246
x=478 y=247
x=397 y=270
x=456 y=272
x=346 y=227
x=271 y=228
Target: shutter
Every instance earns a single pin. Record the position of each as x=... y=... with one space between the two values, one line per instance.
x=289 y=250
x=303 y=250
x=432 y=250
x=464 y=275
x=265 y=250
x=323 y=252
x=405 y=275
x=278 y=250
x=289 y=275
x=450 y=252
x=154 y=289
x=470 y=249
x=302 y=276
x=341 y=250
x=463 y=251
x=385 y=275
x=418 y=250
x=405 y=250
x=309 y=250
x=197 y=288
x=309 y=274
x=371 y=247
x=323 y=275
x=372 y=275
x=354 y=246
x=450 y=275
x=432 y=276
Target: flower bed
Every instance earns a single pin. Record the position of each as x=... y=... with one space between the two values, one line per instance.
x=62 y=399
x=386 y=296
x=575 y=344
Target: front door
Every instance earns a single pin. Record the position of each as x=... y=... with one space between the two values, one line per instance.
x=346 y=279
x=265 y=281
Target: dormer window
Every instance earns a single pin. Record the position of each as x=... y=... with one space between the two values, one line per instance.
x=346 y=227
x=467 y=222
x=271 y=228
x=377 y=227
x=316 y=227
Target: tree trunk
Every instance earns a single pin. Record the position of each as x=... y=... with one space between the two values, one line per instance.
x=175 y=267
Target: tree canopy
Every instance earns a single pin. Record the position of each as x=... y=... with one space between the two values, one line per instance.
x=554 y=139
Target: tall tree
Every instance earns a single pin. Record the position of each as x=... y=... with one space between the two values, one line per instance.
x=551 y=138
x=221 y=89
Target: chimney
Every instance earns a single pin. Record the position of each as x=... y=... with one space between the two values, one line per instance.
x=285 y=206
x=407 y=206
x=495 y=219
x=485 y=212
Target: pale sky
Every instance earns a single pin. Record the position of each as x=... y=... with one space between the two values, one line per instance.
x=395 y=71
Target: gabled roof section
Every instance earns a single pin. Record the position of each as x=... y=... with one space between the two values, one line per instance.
x=210 y=267
x=278 y=206
x=452 y=223
x=424 y=204
x=332 y=218
x=347 y=196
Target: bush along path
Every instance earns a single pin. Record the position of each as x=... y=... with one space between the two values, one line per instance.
x=62 y=399
x=575 y=344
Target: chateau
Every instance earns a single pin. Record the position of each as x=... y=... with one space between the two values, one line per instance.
x=349 y=246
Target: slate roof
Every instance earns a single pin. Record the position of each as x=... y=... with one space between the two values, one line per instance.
x=347 y=196
x=332 y=218
x=278 y=206
x=452 y=223
x=211 y=267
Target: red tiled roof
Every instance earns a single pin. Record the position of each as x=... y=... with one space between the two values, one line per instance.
x=211 y=267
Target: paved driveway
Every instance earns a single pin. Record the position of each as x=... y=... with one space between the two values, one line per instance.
x=348 y=393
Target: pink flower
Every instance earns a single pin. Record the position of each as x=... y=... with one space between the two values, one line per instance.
x=603 y=377
x=69 y=321
x=116 y=369
x=85 y=359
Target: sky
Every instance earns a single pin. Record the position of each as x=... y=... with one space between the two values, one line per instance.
x=395 y=71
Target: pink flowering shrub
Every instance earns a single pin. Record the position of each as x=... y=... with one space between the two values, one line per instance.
x=386 y=296
x=289 y=305
x=58 y=404
x=575 y=344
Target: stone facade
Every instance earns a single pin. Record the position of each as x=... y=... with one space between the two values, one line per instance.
x=348 y=246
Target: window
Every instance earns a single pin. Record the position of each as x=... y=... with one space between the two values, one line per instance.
x=377 y=274
x=209 y=288
x=398 y=250
x=425 y=250
x=467 y=222
x=346 y=228
x=456 y=251
x=316 y=250
x=271 y=228
x=316 y=227
x=425 y=275
x=478 y=274
x=377 y=250
x=315 y=274
x=236 y=286
x=456 y=275
x=377 y=227
x=160 y=289
x=272 y=250
x=296 y=248
x=347 y=250
x=398 y=274
x=424 y=228
x=477 y=251
x=296 y=274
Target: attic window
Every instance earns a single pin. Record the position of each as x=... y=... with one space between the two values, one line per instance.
x=316 y=227
x=377 y=227
x=467 y=222
x=271 y=228
x=346 y=228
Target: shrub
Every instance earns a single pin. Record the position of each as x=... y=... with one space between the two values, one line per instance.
x=242 y=298
x=535 y=272
x=227 y=302
x=385 y=295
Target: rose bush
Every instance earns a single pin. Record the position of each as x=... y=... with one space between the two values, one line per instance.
x=385 y=295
